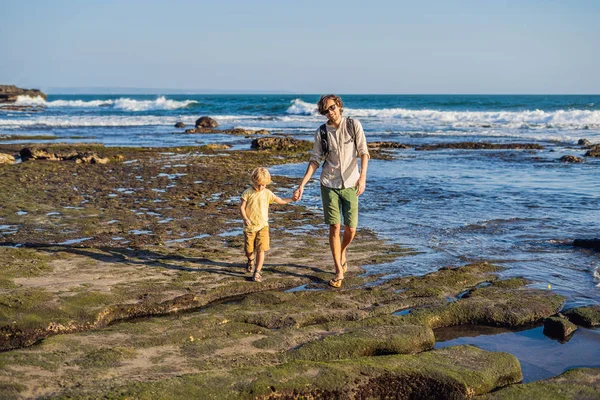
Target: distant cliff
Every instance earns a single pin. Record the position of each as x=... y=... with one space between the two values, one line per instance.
x=9 y=93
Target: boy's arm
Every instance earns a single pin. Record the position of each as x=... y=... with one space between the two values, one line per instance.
x=285 y=200
x=243 y=212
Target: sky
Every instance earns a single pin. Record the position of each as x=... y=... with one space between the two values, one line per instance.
x=396 y=46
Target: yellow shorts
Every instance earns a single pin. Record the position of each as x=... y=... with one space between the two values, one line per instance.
x=258 y=241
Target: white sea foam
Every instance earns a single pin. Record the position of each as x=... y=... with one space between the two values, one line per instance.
x=530 y=119
x=123 y=103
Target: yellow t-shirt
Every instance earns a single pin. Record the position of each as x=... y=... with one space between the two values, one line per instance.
x=257 y=208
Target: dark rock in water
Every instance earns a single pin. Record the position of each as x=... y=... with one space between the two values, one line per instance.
x=281 y=143
x=387 y=145
x=584 y=316
x=558 y=328
x=10 y=93
x=594 y=151
x=571 y=159
x=33 y=153
x=593 y=244
x=180 y=125
x=482 y=146
x=206 y=122
x=583 y=142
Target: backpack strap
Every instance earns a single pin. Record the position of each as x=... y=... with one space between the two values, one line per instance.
x=351 y=127
x=324 y=141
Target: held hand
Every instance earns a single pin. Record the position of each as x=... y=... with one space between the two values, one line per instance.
x=298 y=194
x=361 y=185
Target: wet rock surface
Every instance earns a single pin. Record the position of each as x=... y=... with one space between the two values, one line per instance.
x=6 y=158
x=593 y=244
x=281 y=143
x=584 y=316
x=206 y=122
x=594 y=151
x=579 y=383
x=86 y=157
x=559 y=328
x=570 y=159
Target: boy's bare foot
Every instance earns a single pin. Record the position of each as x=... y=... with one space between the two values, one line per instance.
x=257 y=277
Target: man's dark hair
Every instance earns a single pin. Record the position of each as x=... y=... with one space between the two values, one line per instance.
x=323 y=100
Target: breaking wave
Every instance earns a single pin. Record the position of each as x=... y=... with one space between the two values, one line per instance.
x=532 y=119
x=123 y=103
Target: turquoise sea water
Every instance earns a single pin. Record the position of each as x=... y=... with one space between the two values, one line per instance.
x=520 y=209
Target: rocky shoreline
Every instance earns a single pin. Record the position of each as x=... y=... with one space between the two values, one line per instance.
x=10 y=93
x=125 y=279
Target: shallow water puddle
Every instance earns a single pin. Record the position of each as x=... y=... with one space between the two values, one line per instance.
x=140 y=232
x=540 y=356
x=186 y=239
x=74 y=241
x=302 y=288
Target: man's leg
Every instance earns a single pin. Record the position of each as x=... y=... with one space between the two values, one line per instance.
x=336 y=249
x=349 y=234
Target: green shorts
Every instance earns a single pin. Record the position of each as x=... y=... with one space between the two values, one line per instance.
x=338 y=203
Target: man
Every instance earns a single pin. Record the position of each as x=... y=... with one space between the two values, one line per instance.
x=341 y=180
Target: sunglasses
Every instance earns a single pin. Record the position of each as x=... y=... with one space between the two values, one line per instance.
x=329 y=109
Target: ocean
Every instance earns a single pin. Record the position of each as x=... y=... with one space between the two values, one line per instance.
x=520 y=209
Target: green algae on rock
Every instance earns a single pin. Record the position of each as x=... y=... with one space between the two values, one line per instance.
x=575 y=384
x=584 y=316
x=368 y=341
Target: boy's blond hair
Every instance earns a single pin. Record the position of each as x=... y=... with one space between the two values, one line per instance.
x=261 y=176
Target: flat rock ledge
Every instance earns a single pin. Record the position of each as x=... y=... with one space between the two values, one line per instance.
x=281 y=143
x=578 y=383
x=234 y=131
x=458 y=372
x=10 y=93
x=32 y=153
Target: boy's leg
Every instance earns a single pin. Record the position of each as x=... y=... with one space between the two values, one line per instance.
x=260 y=259
x=263 y=243
x=249 y=238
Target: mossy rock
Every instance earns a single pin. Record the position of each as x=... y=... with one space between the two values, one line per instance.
x=454 y=372
x=493 y=307
x=579 y=383
x=584 y=316
x=559 y=328
x=370 y=341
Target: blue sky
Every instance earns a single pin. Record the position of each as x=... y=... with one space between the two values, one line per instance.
x=435 y=46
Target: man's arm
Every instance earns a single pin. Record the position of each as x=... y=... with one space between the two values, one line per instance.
x=361 y=185
x=310 y=170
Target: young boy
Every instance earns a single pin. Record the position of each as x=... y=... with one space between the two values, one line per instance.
x=255 y=212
